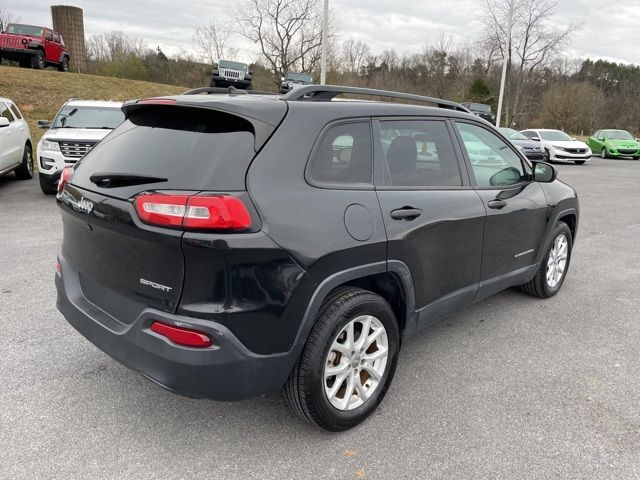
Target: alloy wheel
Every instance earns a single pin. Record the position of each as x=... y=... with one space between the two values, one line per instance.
x=557 y=261
x=29 y=162
x=356 y=362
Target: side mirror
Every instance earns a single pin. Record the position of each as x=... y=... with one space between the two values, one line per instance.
x=44 y=124
x=4 y=122
x=535 y=139
x=250 y=73
x=544 y=172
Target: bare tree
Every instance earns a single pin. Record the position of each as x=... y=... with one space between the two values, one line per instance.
x=114 y=45
x=353 y=55
x=564 y=107
x=288 y=33
x=6 y=17
x=213 y=42
x=534 y=43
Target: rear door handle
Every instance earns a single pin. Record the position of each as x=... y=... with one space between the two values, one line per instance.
x=497 y=204
x=406 y=213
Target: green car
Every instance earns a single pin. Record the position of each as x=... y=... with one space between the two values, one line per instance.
x=614 y=144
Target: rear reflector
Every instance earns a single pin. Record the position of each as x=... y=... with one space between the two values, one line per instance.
x=58 y=268
x=182 y=336
x=212 y=212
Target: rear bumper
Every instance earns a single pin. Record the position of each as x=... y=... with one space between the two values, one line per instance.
x=225 y=371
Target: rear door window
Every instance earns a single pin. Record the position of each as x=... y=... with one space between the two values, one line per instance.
x=192 y=148
x=343 y=156
x=419 y=153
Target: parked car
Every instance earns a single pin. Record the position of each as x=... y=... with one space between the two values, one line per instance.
x=294 y=80
x=15 y=142
x=559 y=147
x=532 y=150
x=223 y=273
x=77 y=127
x=34 y=47
x=614 y=144
x=232 y=74
x=481 y=110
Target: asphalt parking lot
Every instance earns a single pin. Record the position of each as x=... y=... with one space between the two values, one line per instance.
x=512 y=387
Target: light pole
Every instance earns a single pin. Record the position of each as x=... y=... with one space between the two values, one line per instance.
x=323 y=60
x=507 y=57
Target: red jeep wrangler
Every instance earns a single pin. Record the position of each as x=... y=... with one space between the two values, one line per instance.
x=35 y=47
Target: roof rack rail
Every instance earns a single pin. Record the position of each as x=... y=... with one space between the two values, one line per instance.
x=229 y=90
x=325 y=93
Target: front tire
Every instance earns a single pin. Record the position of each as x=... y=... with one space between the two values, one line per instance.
x=579 y=162
x=38 y=60
x=348 y=361
x=64 y=65
x=603 y=153
x=25 y=170
x=555 y=264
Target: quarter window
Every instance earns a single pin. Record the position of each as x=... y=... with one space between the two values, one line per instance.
x=419 y=153
x=493 y=162
x=5 y=112
x=343 y=156
x=16 y=112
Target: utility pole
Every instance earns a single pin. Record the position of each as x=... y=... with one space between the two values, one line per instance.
x=325 y=26
x=507 y=58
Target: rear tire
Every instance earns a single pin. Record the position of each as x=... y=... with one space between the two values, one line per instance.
x=540 y=285
x=315 y=395
x=25 y=170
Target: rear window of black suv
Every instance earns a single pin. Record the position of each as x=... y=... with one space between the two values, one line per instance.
x=193 y=148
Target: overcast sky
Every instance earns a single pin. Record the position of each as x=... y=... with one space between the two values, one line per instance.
x=609 y=28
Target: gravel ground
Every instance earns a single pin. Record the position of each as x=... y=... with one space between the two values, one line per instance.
x=512 y=387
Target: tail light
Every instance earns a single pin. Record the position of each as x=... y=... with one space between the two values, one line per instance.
x=199 y=212
x=182 y=336
x=65 y=177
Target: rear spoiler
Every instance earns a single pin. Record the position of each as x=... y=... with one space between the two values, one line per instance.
x=262 y=130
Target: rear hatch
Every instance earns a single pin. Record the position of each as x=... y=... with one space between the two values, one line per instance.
x=126 y=205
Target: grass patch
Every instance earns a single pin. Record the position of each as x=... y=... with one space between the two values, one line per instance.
x=40 y=93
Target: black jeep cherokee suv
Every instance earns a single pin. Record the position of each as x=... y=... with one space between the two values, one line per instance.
x=228 y=245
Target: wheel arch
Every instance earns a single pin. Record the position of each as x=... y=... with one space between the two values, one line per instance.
x=568 y=216
x=391 y=280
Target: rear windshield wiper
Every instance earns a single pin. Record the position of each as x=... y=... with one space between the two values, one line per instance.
x=114 y=180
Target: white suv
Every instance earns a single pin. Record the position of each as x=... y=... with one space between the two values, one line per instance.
x=75 y=130
x=558 y=146
x=15 y=142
